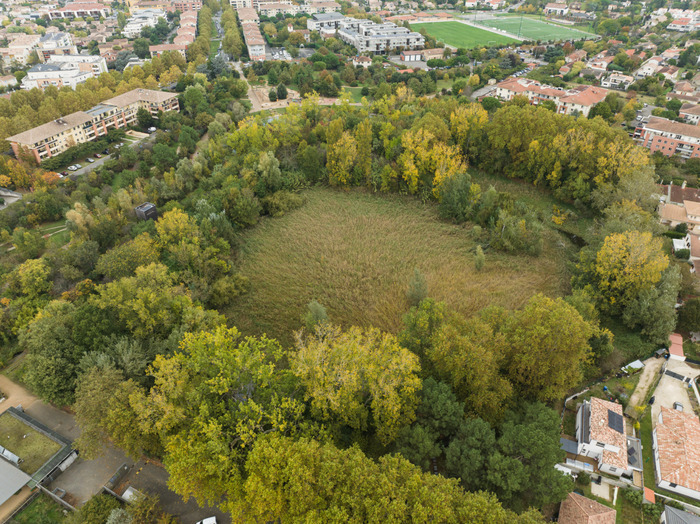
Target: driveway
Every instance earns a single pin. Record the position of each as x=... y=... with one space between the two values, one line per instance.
x=150 y=478
x=648 y=375
x=672 y=390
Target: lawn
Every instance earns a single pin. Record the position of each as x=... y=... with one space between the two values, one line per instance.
x=531 y=29
x=41 y=510
x=355 y=93
x=355 y=253
x=213 y=47
x=457 y=34
x=28 y=444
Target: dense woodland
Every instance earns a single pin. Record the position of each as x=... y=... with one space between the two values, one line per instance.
x=347 y=423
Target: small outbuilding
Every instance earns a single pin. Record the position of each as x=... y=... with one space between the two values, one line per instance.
x=146 y=211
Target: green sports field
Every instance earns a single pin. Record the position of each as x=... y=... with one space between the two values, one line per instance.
x=461 y=35
x=535 y=29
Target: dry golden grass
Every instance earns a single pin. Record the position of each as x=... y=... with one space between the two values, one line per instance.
x=355 y=253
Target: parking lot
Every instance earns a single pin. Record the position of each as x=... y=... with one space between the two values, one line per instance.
x=672 y=390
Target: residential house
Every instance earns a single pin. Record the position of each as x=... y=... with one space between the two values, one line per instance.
x=676 y=447
x=8 y=81
x=579 y=100
x=157 y=50
x=600 y=434
x=683 y=25
x=19 y=49
x=361 y=61
x=577 y=509
x=617 y=81
x=685 y=87
x=675 y=350
x=577 y=56
x=437 y=52
x=110 y=50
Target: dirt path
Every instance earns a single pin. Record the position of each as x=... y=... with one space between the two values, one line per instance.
x=14 y=395
x=651 y=369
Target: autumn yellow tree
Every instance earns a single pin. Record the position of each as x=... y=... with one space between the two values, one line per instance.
x=357 y=377
x=628 y=263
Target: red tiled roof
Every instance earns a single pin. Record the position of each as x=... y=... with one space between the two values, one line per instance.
x=677 y=349
x=580 y=510
x=678 y=448
x=649 y=495
x=602 y=432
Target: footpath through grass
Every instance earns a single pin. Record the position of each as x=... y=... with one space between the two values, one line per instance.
x=458 y=34
x=355 y=253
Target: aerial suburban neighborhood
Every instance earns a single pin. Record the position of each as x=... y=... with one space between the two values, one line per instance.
x=349 y=261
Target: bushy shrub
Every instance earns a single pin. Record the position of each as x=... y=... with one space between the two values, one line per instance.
x=280 y=202
x=683 y=254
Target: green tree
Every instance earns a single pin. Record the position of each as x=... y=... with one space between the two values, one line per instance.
x=546 y=348
x=211 y=401
x=315 y=315
x=94 y=511
x=689 y=315
x=123 y=260
x=282 y=92
x=374 y=380
x=302 y=480
x=144 y=118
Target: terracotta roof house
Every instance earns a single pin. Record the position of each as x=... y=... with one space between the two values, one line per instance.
x=676 y=446
x=676 y=349
x=600 y=433
x=580 y=510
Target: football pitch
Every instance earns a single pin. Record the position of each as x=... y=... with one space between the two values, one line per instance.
x=457 y=34
x=535 y=29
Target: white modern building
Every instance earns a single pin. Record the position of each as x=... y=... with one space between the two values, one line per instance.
x=365 y=35
x=89 y=63
x=141 y=19
x=58 y=75
x=56 y=44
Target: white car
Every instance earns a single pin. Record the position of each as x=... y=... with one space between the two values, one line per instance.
x=208 y=520
x=74 y=167
x=91 y=160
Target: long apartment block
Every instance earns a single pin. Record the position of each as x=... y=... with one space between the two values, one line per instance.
x=55 y=137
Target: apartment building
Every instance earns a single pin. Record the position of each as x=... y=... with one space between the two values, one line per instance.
x=254 y=40
x=578 y=100
x=690 y=113
x=56 y=44
x=19 y=49
x=271 y=9
x=241 y=4
x=556 y=9
x=54 y=137
x=365 y=35
x=669 y=137
x=145 y=18
x=320 y=7
x=88 y=63
x=247 y=14
x=186 y=5
x=58 y=75
x=80 y=10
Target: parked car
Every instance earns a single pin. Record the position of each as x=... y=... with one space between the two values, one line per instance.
x=151 y=129
x=90 y=160
x=105 y=152
x=97 y=155
x=651 y=400
x=208 y=520
x=74 y=167
x=678 y=406
x=64 y=173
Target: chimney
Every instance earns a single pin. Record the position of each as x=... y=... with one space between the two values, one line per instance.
x=668 y=197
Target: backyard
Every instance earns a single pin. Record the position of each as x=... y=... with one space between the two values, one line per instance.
x=457 y=34
x=33 y=448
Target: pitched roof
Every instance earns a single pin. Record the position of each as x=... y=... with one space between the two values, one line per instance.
x=677 y=348
x=135 y=95
x=649 y=495
x=601 y=430
x=44 y=131
x=692 y=207
x=580 y=510
x=677 y=516
x=678 y=448
x=690 y=109
x=664 y=125
x=13 y=479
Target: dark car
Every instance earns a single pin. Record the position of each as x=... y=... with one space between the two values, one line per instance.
x=105 y=152
x=651 y=400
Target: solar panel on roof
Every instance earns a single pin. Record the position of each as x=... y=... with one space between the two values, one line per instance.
x=615 y=421
x=631 y=451
x=632 y=460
